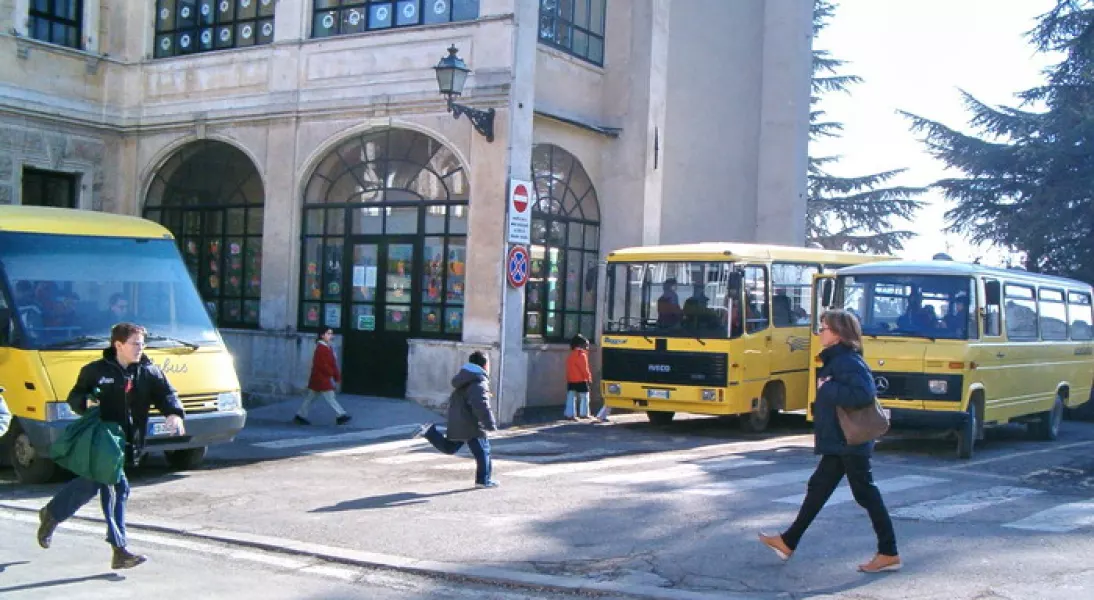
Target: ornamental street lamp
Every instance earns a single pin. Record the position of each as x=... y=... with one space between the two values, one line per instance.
x=451 y=77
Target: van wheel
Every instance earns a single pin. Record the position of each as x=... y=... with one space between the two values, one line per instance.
x=966 y=437
x=1047 y=425
x=758 y=420
x=29 y=464
x=660 y=417
x=184 y=460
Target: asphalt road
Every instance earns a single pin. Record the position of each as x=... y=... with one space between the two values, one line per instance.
x=650 y=510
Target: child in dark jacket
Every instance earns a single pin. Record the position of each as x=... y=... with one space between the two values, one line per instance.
x=579 y=379
x=324 y=374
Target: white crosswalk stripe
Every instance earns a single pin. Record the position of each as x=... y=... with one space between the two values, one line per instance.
x=596 y=465
x=683 y=471
x=959 y=504
x=895 y=484
x=725 y=488
x=1059 y=519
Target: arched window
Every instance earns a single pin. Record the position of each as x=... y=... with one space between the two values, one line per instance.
x=210 y=196
x=560 y=298
x=385 y=227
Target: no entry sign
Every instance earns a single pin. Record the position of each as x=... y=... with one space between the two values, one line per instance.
x=516 y=266
x=520 y=211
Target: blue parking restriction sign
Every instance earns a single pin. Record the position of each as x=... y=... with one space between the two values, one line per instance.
x=516 y=266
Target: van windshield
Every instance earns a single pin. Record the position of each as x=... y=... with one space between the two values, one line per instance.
x=672 y=299
x=68 y=291
x=901 y=305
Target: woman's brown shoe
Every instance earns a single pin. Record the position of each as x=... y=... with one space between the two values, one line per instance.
x=881 y=563
x=777 y=545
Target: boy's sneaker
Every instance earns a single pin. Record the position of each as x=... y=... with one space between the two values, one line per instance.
x=420 y=431
x=489 y=484
x=342 y=420
x=300 y=420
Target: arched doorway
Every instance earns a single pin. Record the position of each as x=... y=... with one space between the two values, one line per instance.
x=210 y=196
x=384 y=249
x=560 y=298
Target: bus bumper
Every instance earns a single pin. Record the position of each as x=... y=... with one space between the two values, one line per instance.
x=201 y=430
x=938 y=420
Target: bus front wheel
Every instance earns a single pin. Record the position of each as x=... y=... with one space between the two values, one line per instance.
x=966 y=437
x=759 y=419
x=1047 y=425
x=29 y=464
x=659 y=417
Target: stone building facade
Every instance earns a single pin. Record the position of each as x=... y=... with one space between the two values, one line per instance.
x=303 y=157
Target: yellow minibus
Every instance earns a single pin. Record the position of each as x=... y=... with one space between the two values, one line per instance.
x=66 y=277
x=956 y=347
x=711 y=328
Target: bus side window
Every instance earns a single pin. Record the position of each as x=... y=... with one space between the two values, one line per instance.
x=992 y=293
x=756 y=315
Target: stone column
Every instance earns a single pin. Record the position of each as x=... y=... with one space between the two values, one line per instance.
x=281 y=216
x=784 y=122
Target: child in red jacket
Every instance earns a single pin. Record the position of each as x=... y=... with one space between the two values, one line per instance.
x=324 y=374
x=579 y=379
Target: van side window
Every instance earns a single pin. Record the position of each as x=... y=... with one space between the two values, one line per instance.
x=993 y=293
x=1082 y=319
x=756 y=313
x=1020 y=312
x=793 y=294
x=1053 y=315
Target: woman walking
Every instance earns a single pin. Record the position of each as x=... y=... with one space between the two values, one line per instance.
x=324 y=374
x=579 y=379
x=846 y=381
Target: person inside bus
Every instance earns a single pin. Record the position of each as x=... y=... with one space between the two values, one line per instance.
x=958 y=318
x=781 y=311
x=669 y=313
x=697 y=313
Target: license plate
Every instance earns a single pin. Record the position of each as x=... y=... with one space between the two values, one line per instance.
x=158 y=429
x=657 y=394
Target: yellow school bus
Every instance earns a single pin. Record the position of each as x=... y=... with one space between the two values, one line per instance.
x=66 y=277
x=711 y=328
x=956 y=347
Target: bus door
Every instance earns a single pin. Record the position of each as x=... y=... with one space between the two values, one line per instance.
x=824 y=294
x=756 y=342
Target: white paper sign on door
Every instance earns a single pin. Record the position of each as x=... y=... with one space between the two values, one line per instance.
x=358 y=276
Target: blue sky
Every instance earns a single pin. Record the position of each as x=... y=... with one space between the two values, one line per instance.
x=916 y=56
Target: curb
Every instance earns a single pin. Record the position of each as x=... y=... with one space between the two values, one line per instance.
x=433 y=569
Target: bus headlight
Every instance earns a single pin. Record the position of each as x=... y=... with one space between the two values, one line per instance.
x=228 y=401
x=614 y=389
x=60 y=411
x=710 y=395
x=937 y=386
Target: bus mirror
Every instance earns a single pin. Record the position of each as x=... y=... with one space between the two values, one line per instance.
x=991 y=292
x=827 y=289
x=6 y=326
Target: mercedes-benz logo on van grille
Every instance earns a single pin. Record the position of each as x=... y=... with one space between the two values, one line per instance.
x=882 y=384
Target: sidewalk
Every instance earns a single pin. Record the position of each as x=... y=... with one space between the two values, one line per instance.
x=368 y=412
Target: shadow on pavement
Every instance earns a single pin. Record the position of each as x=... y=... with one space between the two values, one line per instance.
x=387 y=501
x=60 y=582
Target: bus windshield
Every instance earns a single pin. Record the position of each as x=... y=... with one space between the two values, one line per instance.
x=666 y=299
x=902 y=305
x=68 y=291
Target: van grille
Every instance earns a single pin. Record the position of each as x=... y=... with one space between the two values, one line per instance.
x=195 y=404
x=913 y=386
x=670 y=368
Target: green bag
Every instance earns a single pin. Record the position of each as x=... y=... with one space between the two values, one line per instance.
x=92 y=448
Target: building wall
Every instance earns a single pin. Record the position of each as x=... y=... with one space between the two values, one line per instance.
x=737 y=124
x=652 y=127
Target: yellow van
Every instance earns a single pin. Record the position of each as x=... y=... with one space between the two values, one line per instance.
x=711 y=328
x=957 y=347
x=66 y=276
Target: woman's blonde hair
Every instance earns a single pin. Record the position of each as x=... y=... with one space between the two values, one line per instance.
x=846 y=326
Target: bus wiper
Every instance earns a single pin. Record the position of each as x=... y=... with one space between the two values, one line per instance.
x=913 y=333
x=76 y=342
x=700 y=340
x=164 y=338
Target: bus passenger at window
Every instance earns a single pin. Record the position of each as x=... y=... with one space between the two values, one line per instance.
x=669 y=313
x=958 y=318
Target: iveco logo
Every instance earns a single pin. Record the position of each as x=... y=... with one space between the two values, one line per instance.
x=882 y=384
x=660 y=368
